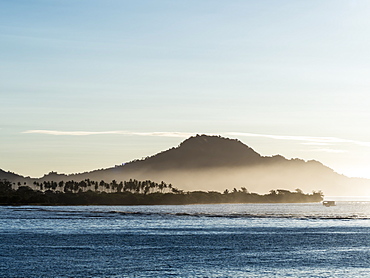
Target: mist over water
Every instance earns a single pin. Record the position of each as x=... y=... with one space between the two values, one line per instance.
x=348 y=198
x=227 y=240
x=261 y=179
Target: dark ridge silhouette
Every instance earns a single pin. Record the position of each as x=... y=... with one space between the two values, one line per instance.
x=205 y=162
x=54 y=176
x=202 y=151
x=9 y=175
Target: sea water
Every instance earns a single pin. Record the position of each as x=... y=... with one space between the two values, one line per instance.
x=223 y=240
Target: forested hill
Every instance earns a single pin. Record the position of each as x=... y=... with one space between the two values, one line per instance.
x=205 y=162
x=10 y=176
x=202 y=151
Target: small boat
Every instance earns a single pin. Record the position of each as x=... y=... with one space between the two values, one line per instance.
x=328 y=203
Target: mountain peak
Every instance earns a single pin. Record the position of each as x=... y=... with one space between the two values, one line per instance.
x=204 y=151
x=216 y=143
x=206 y=140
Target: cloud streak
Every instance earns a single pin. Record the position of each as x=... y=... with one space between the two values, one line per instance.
x=305 y=140
x=329 y=150
x=117 y=132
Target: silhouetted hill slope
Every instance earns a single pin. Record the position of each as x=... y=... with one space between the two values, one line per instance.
x=202 y=151
x=214 y=163
x=9 y=176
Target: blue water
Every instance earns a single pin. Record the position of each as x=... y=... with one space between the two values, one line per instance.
x=233 y=240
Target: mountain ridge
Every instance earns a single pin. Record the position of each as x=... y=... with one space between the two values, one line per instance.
x=204 y=162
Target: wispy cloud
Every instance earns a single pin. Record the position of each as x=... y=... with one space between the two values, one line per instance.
x=118 y=132
x=158 y=134
x=316 y=144
x=329 y=150
x=67 y=133
x=306 y=140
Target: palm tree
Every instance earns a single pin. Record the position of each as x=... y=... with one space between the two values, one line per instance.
x=102 y=184
x=61 y=184
x=114 y=185
x=107 y=186
x=120 y=187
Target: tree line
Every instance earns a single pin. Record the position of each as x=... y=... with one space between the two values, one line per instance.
x=133 y=186
x=134 y=192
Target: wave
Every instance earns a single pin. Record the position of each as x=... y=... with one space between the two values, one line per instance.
x=245 y=215
x=62 y=213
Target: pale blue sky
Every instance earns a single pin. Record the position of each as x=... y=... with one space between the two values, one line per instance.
x=298 y=70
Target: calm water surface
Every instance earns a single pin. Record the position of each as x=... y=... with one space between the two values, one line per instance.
x=231 y=240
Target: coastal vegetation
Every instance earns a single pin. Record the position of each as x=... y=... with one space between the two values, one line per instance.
x=134 y=192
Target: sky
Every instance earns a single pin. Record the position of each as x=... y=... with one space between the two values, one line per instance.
x=89 y=84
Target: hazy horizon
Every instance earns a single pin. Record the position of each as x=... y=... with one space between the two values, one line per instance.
x=170 y=147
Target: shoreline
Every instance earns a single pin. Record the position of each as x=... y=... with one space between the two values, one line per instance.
x=135 y=205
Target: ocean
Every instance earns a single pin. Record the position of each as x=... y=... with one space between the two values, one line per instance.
x=221 y=240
